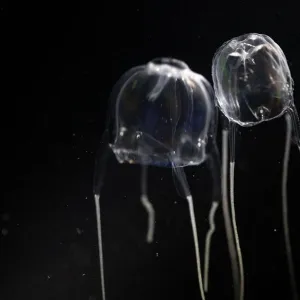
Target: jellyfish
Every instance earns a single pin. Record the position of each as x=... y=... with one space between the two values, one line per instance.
x=253 y=84
x=162 y=114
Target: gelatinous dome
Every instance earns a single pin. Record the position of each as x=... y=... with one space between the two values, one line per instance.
x=163 y=113
x=252 y=79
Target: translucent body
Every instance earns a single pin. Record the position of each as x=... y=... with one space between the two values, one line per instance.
x=162 y=114
x=252 y=79
x=253 y=84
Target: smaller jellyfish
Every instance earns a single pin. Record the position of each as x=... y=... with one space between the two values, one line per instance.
x=162 y=114
x=253 y=84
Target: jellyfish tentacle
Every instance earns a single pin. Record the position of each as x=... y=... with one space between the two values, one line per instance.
x=285 y=207
x=214 y=207
x=232 y=134
x=147 y=205
x=177 y=184
x=214 y=165
x=232 y=137
x=215 y=168
x=292 y=111
x=103 y=156
x=100 y=244
x=227 y=219
x=185 y=187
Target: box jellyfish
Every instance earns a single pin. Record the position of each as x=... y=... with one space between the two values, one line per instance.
x=162 y=114
x=253 y=84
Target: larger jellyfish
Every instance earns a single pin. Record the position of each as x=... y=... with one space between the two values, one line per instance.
x=253 y=84
x=162 y=114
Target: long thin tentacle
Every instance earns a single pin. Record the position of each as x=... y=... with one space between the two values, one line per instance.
x=232 y=137
x=235 y=231
x=227 y=218
x=209 y=234
x=185 y=187
x=215 y=169
x=285 y=206
x=103 y=156
x=100 y=245
x=292 y=111
x=147 y=205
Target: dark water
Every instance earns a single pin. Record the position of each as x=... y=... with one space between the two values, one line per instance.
x=64 y=61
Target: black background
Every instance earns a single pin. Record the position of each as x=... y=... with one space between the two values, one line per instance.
x=63 y=62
